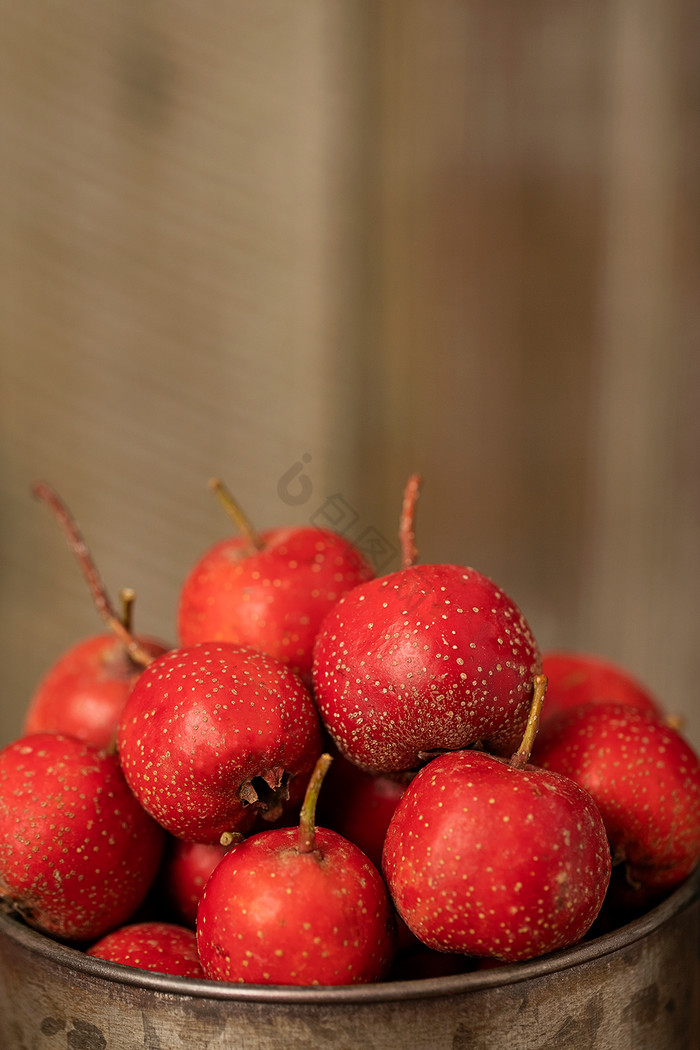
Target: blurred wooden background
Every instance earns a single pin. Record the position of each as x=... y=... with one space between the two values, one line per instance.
x=354 y=240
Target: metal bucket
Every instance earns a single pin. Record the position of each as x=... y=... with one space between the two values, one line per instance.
x=637 y=988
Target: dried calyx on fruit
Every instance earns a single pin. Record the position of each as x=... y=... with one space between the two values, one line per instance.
x=215 y=734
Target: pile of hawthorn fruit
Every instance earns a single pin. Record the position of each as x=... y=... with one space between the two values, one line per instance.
x=334 y=776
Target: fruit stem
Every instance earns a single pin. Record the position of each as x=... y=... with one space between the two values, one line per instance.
x=236 y=513
x=77 y=544
x=127 y=597
x=522 y=756
x=231 y=838
x=407 y=532
x=306 y=842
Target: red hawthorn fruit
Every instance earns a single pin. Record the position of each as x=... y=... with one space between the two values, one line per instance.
x=269 y=590
x=645 y=779
x=215 y=733
x=300 y=906
x=184 y=873
x=163 y=947
x=359 y=805
x=486 y=857
x=426 y=659
x=576 y=678
x=83 y=693
x=78 y=853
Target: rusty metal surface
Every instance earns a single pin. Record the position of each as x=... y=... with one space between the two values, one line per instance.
x=635 y=989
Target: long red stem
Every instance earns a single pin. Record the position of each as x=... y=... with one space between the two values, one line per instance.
x=407 y=531
x=89 y=570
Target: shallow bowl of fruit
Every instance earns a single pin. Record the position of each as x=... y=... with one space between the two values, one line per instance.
x=344 y=810
x=631 y=988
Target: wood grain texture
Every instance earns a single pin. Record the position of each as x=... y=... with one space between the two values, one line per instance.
x=447 y=237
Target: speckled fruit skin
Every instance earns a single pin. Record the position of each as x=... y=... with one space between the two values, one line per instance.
x=202 y=723
x=645 y=778
x=273 y=599
x=163 y=947
x=77 y=851
x=575 y=678
x=84 y=691
x=359 y=805
x=184 y=873
x=489 y=860
x=272 y=915
x=432 y=657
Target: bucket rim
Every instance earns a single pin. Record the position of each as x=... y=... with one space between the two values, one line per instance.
x=67 y=957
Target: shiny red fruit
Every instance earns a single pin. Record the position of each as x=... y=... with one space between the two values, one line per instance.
x=272 y=598
x=485 y=859
x=576 y=678
x=428 y=658
x=163 y=947
x=645 y=779
x=212 y=734
x=359 y=805
x=271 y=914
x=184 y=873
x=77 y=852
x=84 y=691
